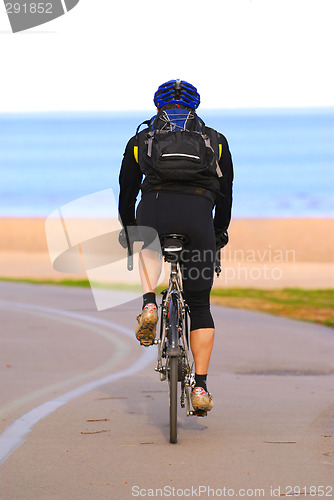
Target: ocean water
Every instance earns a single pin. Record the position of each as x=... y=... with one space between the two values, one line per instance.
x=283 y=159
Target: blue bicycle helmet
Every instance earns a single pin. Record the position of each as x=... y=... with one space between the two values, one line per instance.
x=177 y=92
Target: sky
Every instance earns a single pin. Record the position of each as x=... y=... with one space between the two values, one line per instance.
x=107 y=55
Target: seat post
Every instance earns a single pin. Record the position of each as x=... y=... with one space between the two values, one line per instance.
x=174 y=269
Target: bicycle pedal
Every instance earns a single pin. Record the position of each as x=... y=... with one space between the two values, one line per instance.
x=146 y=342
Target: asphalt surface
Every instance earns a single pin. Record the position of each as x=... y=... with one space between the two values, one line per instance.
x=84 y=415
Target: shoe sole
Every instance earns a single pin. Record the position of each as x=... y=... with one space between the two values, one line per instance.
x=146 y=337
x=200 y=406
x=200 y=413
x=146 y=333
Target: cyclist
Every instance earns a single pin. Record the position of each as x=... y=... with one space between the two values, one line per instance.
x=181 y=205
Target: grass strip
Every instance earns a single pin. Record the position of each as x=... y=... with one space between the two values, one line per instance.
x=308 y=305
x=316 y=306
x=69 y=282
x=76 y=283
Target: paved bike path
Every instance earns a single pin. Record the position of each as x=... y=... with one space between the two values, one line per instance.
x=272 y=425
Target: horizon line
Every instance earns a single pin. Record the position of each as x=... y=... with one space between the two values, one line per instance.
x=261 y=109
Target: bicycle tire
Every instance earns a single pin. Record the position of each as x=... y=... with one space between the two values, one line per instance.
x=173 y=368
x=173 y=376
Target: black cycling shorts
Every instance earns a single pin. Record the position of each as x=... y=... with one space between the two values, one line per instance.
x=191 y=215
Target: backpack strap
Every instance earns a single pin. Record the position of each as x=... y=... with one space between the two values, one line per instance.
x=146 y=122
x=218 y=170
x=217 y=148
x=150 y=137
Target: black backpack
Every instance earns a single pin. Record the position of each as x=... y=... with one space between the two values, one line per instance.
x=178 y=148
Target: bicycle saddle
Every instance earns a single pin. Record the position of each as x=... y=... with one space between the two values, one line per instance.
x=172 y=245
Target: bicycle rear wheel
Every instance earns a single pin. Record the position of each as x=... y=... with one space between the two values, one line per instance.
x=173 y=377
x=173 y=337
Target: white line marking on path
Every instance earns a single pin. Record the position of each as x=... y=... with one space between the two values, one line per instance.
x=120 y=343
x=13 y=437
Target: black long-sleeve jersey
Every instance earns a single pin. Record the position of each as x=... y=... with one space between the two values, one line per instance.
x=131 y=177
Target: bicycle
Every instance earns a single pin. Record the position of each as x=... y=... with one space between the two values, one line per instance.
x=174 y=360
